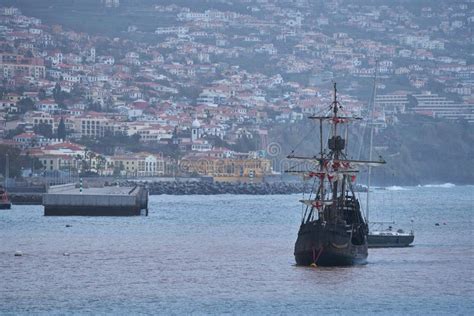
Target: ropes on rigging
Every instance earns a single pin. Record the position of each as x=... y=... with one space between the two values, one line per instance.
x=299 y=143
x=321 y=112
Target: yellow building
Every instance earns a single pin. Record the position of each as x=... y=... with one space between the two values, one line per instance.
x=139 y=164
x=227 y=168
x=91 y=125
x=58 y=162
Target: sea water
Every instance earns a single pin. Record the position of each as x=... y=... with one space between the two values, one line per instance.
x=233 y=254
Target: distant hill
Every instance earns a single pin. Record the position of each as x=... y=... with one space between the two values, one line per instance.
x=112 y=21
x=101 y=20
x=418 y=150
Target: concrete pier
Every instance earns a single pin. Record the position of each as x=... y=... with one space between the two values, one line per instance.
x=67 y=200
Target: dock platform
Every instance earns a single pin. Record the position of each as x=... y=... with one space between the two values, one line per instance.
x=67 y=200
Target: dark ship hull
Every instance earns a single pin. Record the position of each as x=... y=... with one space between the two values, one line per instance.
x=393 y=241
x=330 y=245
x=5 y=206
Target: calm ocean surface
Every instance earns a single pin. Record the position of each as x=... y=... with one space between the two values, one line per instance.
x=233 y=254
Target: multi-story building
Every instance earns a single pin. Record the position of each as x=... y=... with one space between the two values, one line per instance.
x=47 y=106
x=140 y=164
x=437 y=106
x=391 y=103
x=91 y=125
x=28 y=140
x=13 y=65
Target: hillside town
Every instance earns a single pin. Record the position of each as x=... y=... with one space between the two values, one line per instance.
x=200 y=95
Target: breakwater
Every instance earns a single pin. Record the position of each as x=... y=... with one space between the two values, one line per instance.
x=26 y=198
x=24 y=193
x=210 y=188
x=196 y=187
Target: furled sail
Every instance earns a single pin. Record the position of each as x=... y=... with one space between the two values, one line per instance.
x=316 y=203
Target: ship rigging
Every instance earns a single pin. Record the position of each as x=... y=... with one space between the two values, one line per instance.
x=333 y=230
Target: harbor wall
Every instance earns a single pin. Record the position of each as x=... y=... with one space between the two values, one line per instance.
x=85 y=210
x=23 y=193
x=69 y=201
x=211 y=188
x=194 y=186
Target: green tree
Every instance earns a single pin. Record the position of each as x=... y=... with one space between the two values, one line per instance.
x=57 y=92
x=3 y=91
x=62 y=133
x=59 y=95
x=44 y=129
x=412 y=101
x=13 y=132
x=16 y=160
x=42 y=94
x=25 y=105
x=77 y=91
x=101 y=164
x=118 y=169
x=246 y=144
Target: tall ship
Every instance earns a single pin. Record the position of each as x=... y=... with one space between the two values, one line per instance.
x=333 y=231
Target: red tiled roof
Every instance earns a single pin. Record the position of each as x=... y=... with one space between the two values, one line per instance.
x=65 y=145
x=26 y=135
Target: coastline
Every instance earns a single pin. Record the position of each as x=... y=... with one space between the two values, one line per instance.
x=213 y=188
x=218 y=188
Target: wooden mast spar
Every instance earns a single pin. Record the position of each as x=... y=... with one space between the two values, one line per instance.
x=339 y=164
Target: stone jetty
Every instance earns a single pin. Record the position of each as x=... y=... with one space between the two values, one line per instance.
x=209 y=188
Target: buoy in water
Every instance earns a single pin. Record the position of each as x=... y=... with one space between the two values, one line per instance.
x=66 y=254
x=68 y=225
x=18 y=253
x=437 y=224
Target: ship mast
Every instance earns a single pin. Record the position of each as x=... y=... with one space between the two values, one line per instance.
x=322 y=194
x=371 y=122
x=333 y=166
x=335 y=108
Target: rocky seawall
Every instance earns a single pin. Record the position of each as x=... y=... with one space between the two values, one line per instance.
x=26 y=198
x=195 y=188
x=209 y=188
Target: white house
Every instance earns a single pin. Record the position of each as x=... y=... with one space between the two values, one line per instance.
x=47 y=106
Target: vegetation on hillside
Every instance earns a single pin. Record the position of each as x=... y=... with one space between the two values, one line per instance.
x=418 y=149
